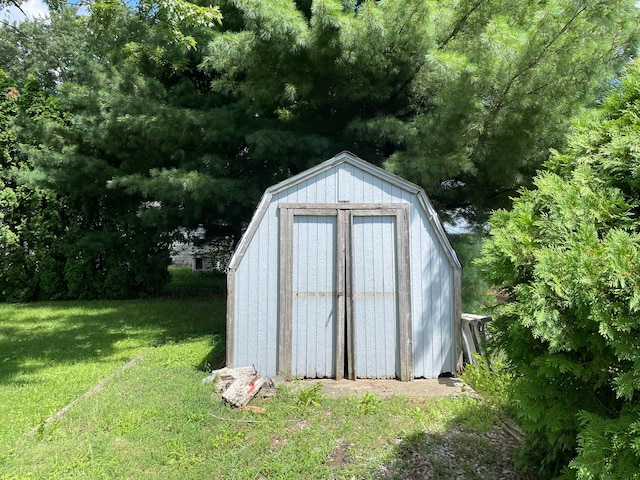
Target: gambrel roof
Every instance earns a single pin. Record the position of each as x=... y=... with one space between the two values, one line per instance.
x=349 y=158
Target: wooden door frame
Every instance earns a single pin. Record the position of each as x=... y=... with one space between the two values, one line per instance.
x=345 y=212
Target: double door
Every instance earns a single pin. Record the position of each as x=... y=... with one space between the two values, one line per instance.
x=344 y=293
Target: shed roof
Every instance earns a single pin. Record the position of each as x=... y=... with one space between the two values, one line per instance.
x=345 y=157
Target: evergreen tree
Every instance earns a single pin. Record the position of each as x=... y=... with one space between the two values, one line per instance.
x=463 y=98
x=169 y=118
x=568 y=256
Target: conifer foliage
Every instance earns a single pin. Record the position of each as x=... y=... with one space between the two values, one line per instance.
x=177 y=115
x=568 y=255
x=462 y=97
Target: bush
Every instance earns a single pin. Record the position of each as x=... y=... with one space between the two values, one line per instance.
x=489 y=380
x=568 y=255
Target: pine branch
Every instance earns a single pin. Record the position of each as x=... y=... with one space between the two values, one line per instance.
x=538 y=58
x=460 y=24
x=16 y=4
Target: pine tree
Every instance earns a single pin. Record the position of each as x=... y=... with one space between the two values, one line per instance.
x=172 y=119
x=463 y=98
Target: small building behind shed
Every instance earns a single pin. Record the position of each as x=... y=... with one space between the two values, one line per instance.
x=345 y=271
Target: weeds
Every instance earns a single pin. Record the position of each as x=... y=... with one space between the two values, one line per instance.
x=489 y=381
x=368 y=404
x=309 y=396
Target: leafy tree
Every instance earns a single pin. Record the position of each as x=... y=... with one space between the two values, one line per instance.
x=54 y=52
x=172 y=119
x=568 y=255
x=30 y=218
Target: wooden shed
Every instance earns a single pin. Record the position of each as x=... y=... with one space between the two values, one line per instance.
x=344 y=271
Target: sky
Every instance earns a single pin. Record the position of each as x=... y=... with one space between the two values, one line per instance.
x=32 y=8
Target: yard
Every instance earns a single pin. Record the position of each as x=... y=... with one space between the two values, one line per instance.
x=157 y=420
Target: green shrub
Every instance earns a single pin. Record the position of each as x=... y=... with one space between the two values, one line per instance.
x=568 y=255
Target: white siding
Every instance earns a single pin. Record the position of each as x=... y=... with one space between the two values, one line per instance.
x=375 y=297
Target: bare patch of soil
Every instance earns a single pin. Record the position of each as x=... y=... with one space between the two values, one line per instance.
x=419 y=388
x=340 y=455
x=454 y=454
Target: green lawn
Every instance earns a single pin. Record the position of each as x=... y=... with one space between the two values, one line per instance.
x=51 y=353
x=157 y=420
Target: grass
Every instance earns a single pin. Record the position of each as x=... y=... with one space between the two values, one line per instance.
x=158 y=421
x=50 y=353
x=187 y=283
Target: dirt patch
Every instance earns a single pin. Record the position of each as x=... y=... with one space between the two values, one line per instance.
x=339 y=457
x=451 y=455
x=419 y=388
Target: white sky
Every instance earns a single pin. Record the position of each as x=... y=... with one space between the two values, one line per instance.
x=32 y=8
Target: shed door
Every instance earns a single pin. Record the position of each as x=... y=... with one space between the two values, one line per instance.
x=314 y=296
x=374 y=292
x=344 y=294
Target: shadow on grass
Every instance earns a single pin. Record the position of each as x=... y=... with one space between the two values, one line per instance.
x=188 y=283
x=463 y=448
x=42 y=335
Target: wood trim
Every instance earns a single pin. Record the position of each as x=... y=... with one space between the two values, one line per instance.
x=285 y=282
x=345 y=327
x=457 y=321
x=231 y=314
x=351 y=338
x=317 y=212
x=302 y=207
x=252 y=228
x=403 y=289
x=404 y=295
x=341 y=317
x=378 y=212
x=285 y=313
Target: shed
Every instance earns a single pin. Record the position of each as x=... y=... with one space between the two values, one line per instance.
x=344 y=271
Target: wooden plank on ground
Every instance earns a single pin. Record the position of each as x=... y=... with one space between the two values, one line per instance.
x=243 y=389
x=473 y=319
x=89 y=393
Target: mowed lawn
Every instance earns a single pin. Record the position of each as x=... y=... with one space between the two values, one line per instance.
x=50 y=353
x=157 y=420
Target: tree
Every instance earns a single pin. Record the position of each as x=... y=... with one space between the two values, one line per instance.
x=108 y=120
x=30 y=217
x=568 y=256
x=172 y=119
x=53 y=52
x=463 y=98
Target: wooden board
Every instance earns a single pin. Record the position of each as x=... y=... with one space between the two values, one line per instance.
x=243 y=389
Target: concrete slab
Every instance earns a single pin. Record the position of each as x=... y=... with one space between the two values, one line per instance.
x=419 y=388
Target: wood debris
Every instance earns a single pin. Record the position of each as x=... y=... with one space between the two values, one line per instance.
x=237 y=385
x=473 y=336
x=253 y=409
